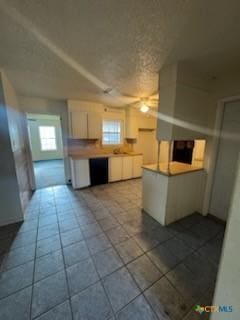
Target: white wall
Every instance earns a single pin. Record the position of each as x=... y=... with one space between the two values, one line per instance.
x=53 y=107
x=87 y=106
x=224 y=89
x=34 y=122
x=191 y=109
x=166 y=104
x=228 y=281
x=11 y=208
x=225 y=170
x=142 y=128
x=184 y=100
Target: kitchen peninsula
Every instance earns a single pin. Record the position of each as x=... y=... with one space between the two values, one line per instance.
x=174 y=187
x=172 y=191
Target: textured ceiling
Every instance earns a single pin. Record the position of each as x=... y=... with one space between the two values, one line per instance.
x=76 y=49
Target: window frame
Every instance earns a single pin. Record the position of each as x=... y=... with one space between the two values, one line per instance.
x=40 y=138
x=121 y=122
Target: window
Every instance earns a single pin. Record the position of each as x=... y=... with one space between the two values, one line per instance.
x=47 y=138
x=112 y=132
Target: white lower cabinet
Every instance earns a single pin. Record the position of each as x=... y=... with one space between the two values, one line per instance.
x=114 y=169
x=137 y=166
x=119 y=168
x=127 y=167
x=123 y=168
x=80 y=173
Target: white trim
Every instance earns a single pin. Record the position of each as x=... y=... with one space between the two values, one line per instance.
x=65 y=156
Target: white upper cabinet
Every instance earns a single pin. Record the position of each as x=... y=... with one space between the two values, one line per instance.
x=85 y=119
x=94 y=125
x=131 y=128
x=78 y=122
x=85 y=125
x=127 y=167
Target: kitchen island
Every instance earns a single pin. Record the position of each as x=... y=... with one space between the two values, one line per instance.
x=172 y=190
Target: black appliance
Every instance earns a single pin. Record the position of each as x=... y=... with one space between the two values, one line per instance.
x=98 y=171
x=183 y=150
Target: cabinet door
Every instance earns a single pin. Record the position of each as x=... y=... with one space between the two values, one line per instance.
x=131 y=130
x=115 y=169
x=137 y=166
x=94 y=125
x=127 y=168
x=79 y=125
x=80 y=173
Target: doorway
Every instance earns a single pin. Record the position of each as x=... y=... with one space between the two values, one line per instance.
x=147 y=145
x=225 y=171
x=45 y=136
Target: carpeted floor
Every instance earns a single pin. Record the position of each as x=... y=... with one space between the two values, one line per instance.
x=49 y=173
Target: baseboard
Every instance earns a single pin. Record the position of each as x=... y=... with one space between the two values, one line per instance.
x=212 y=217
x=10 y=221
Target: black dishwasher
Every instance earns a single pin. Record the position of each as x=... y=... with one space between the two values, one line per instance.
x=98 y=171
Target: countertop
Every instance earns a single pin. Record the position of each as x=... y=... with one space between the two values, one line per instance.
x=176 y=168
x=79 y=156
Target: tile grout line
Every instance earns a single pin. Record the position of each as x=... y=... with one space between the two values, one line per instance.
x=141 y=292
x=99 y=280
x=65 y=271
x=35 y=254
x=114 y=247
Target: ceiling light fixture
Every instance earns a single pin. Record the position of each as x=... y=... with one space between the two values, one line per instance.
x=144 y=108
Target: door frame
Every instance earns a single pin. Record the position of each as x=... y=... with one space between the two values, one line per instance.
x=29 y=155
x=29 y=151
x=221 y=104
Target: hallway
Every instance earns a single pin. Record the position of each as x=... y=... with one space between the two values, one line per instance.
x=93 y=254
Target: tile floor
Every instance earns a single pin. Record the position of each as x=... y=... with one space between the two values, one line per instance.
x=49 y=173
x=93 y=254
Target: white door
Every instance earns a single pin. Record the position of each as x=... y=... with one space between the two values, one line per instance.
x=226 y=162
x=115 y=169
x=45 y=136
x=79 y=125
x=127 y=167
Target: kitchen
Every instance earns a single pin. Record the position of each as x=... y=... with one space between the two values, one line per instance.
x=104 y=140
x=103 y=146
x=135 y=105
